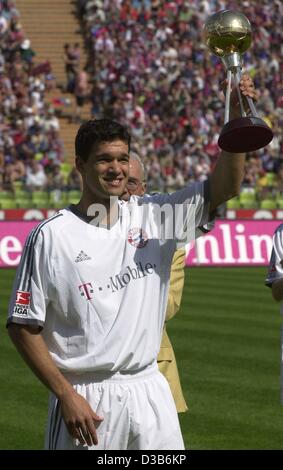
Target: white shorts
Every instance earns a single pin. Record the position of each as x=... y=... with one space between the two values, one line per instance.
x=138 y=410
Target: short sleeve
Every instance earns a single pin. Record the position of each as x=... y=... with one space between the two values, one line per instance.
x=188 y=209
x=29 y=297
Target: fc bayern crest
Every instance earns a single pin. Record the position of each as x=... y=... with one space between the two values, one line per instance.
x=137 y=237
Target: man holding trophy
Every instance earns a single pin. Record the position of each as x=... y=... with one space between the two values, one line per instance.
x=107 y=392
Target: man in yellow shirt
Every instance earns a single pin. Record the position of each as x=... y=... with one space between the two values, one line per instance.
x=166 y=358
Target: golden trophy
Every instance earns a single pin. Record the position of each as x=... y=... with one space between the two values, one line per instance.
x=228 y=35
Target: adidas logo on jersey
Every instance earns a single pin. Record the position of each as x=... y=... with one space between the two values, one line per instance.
x=82 y=256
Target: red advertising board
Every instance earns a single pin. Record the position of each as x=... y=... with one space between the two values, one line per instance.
x=234 y=243
x=12 y=240
x=231 y=243
x=26 y=214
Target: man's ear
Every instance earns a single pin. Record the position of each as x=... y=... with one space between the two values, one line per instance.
x=144 y=185
x=79 y=164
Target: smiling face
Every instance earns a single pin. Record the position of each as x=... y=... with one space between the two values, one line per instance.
x=105 y=173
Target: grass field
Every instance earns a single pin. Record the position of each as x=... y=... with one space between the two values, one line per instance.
x=227 y=342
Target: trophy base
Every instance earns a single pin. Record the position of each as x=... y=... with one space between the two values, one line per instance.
x=245 y=134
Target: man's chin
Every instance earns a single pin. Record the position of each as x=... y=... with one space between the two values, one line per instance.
x=115 y=192
x=118 y=192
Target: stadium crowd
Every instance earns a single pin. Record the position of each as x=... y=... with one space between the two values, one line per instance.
x=30 y=146
x=150 y=70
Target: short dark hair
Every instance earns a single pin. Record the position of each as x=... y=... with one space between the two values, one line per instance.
x=96 y=131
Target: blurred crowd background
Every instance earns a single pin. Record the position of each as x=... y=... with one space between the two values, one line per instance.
x=148 y=68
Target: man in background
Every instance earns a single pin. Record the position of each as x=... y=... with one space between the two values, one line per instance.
x=274 y=280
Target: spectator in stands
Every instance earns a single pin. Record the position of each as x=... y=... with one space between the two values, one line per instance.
x=82 y=91
x=14 y=171
x=56 y=179
x=16 y=33
x=36 y=91
x=76 y=53
x=74 y=181
x=35 y=176
x=27 y=53
x=279 y=179
x=70 y=60
x=3 y=26
x=51 y=122
x=55 y=148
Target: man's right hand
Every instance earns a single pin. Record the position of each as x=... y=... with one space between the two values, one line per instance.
x=80 y=419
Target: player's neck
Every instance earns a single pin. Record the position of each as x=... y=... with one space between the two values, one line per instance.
x=105 y=211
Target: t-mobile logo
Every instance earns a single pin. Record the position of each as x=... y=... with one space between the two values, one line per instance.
x=86 y=290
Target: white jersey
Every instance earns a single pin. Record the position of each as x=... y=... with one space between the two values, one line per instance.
x=275 y=272
x=275 y=269
x=101 y=297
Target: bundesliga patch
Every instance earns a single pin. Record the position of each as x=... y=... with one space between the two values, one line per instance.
x=22 y=303
x=23 y=298
x=137 y=237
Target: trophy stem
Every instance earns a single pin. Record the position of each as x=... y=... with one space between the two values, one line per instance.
x=237 y=74
x=227 y=97
x=232 y=61
x=249 y=99
x=252 y=106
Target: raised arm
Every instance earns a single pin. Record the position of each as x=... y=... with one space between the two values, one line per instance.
x=225 y=181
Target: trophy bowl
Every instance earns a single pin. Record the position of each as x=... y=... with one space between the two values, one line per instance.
x=228 y=35
x=245 y=134
x=227 y=32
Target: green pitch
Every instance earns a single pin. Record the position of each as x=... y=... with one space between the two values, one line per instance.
x=227 y=342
